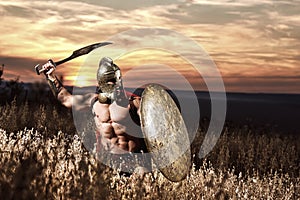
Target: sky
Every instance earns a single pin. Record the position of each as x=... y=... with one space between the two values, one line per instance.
x=254 y=45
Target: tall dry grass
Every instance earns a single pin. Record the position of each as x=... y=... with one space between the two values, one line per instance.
x=35 y=167
x=46 y=160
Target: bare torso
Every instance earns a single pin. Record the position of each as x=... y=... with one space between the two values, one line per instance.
x=117 y=132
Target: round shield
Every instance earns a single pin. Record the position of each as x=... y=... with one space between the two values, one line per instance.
x=165 y=133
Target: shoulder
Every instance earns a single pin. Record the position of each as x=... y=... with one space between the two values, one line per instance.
x=85 y=101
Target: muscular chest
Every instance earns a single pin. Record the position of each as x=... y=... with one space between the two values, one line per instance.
x=110 y=112
x=116 y=127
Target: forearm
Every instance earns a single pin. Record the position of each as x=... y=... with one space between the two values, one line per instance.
x=59 y=91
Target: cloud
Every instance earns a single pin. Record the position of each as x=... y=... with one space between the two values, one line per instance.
x=24 y=67
x=68 y=23
x=238 y=3
x=262 y=84
x=242 y=37
x=131 y=5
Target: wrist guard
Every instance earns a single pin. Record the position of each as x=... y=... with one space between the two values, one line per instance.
x=55 y=86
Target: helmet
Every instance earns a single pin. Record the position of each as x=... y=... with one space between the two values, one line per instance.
x=109 y=80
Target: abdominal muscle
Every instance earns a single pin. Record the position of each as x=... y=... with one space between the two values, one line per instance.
x=115 y=129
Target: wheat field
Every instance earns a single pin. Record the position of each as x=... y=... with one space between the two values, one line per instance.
x=43 y=157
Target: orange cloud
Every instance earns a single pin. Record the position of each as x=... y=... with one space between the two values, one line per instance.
x=245 y=39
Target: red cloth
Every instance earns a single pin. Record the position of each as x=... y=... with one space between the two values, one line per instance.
x=130 y=94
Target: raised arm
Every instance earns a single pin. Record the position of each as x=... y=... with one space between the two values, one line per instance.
x=77 y=102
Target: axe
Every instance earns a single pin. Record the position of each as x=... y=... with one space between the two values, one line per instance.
x=75 y=54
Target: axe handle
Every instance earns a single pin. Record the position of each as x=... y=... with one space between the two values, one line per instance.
x=39 y=70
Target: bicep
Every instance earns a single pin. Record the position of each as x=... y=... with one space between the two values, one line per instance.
x=80 y=102
x=135 y=110
x=136 y=103
x=65 y=98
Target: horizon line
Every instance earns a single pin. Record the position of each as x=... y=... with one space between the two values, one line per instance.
x=179 y=90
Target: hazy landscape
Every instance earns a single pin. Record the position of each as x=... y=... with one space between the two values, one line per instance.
x=249 y=47
x=42 y=155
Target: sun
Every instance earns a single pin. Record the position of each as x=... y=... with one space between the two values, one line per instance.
x=84 y=82
x=80 y=81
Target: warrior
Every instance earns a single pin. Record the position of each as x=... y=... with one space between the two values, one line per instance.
x=115 y=111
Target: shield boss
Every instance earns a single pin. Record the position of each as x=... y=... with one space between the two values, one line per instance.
x=165 y=133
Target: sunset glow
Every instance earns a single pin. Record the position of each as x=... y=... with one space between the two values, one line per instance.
x=254 y=44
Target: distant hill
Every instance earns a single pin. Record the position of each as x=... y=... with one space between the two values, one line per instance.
x=280 y=112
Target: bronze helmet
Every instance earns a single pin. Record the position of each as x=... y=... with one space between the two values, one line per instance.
x=109 y=79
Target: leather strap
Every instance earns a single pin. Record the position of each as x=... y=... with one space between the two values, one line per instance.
x=55 y=86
